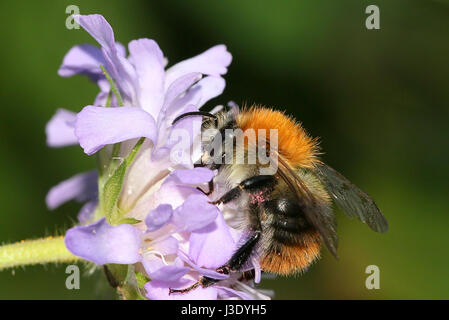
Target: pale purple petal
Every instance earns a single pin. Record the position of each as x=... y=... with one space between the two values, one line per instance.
x=195 y=213
x=193 y=176
x=178 y=140
x=81 y=187
x=169 y=272
x=98 y=28
x=226 y=292
x=200 y=93
x=148 y=60
x=211 y=62
x=210 y=87
x=116 y=64
x=96 y=127
x=102 y=243
x=166 y=246
x=184 y=141
x=86 y=213
x=152 y=255
x=152 y=263
x=203 y=271
x=159 y=290
x=257 y=269
x=83 y=59
x=158 y=217
x=176 y=89
x=121 y=50
x=213 y=245
x=101 y=99
x=60 y=130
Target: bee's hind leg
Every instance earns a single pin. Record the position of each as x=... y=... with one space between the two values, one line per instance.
x=237 y=261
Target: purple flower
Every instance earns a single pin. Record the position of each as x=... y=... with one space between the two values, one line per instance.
x=142 y=206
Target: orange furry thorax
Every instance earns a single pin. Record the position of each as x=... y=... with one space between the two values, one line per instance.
x=298 y=149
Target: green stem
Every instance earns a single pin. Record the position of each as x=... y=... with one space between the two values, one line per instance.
x=40 y=251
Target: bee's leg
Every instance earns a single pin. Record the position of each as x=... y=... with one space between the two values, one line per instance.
x=253 y=183
x=211 y=188
x=241 y=256
x=237 y=261
x=247 y=275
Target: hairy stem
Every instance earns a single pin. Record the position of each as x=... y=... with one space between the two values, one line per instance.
x=40 y=251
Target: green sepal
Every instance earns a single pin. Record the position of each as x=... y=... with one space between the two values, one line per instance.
x=117 y=274
x=111 y=193
x=141 y=279
x=129 y=221
x=113 y=187
x=128 y=292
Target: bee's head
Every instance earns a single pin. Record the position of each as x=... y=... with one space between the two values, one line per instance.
x=214 y=136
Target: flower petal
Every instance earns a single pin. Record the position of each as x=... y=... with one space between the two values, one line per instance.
x=193 y=176
x=118 y=67
x=213 y=245
x=203 y=271
x=83 y=59
x=169 y=273
x=159 y=290
x=181 y=136
x=80 y=187
x=60 y=130
x=158 y=217
x=96 y=127
x=148 y=60
x=195 y=213
x=211 y=62
x=225 y=292
x=97 y=26
x=257 y=269
x=154 y=252
x=102 y=243
x=167 y=246
x=199 y=94
x=181 y=85
x=87 y=211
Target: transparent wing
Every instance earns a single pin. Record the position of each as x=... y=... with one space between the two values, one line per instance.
x=351 y=200
x=319 y=214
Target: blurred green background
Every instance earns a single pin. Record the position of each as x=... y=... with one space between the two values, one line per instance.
x=377 y=98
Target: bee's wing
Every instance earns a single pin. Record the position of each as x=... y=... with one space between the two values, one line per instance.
x=351 y=200
x=319 y=214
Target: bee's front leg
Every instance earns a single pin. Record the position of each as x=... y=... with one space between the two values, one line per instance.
x=249 y=185
x=211 y=188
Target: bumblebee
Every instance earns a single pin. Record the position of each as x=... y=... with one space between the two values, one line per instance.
x=287 y=216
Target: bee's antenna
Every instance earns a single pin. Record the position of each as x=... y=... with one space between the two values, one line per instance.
x=195 y=113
